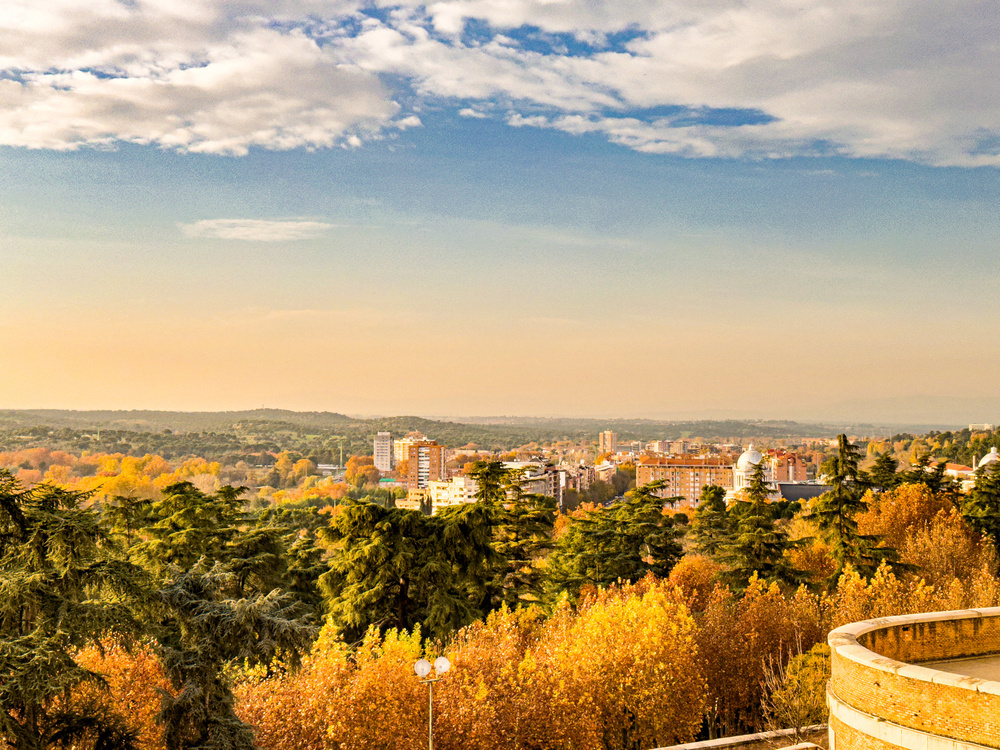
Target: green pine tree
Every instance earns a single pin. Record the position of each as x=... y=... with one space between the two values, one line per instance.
x=63 y=586
x=624 y=541
x=204 y=630
x=835 y=512
x=522 y=534
x=758 y=543
x=884 y=474
x=394 y=568
x=981 y=506
x=711 y=529
x=187 y=525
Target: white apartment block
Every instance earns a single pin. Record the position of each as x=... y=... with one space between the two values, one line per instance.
x=454 y=491
x=383 y=452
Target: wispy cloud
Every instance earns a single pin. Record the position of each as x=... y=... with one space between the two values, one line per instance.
x=256 y=230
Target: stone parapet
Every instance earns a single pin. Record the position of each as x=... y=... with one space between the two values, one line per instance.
x=880 y=697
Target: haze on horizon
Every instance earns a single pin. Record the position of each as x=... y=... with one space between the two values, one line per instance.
x=623 y=209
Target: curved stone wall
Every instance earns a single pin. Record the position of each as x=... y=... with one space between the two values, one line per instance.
x=881 y=698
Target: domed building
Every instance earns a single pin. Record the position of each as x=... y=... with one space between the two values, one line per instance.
x=744 y=468
x=785 y=473
x=990 y=458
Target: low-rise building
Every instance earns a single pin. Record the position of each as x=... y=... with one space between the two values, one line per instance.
x=605 y=472
x=454 y=491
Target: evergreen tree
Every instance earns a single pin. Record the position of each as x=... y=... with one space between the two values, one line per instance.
x=205 y=630
x=884 y=474
x=624 y=541
x=758 y=544
x=521 y=538
x=220 y=602
x=835 y=512
x=188 y=525
x=981 y=506
x=302 y=563
x=492 y=481
x=256 y=556
x=63 y=586
x=125 y=516
x=394 y=568
x=711 y=529
x=933 y=478
x=522 y=533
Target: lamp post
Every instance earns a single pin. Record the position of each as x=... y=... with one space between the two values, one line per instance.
x=423 y=668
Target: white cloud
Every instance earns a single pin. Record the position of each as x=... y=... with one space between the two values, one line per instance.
x=182 y=79
x=256 y=230
x=905 y=79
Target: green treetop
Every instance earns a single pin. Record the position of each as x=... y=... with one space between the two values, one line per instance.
x=522 y=533
x=711 y=528
x=981 y=506
x=758 y=543
x=63 y=586
x=624 y=541
x=835 y=514
x=395 y=568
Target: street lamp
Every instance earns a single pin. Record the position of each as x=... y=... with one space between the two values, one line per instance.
x=423 y=668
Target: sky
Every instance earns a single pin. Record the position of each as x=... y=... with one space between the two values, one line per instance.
x=631 y=208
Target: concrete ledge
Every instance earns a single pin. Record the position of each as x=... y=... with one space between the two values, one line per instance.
x=886 y=686
x=844 y=643
x=749 y=739
x=893 y=734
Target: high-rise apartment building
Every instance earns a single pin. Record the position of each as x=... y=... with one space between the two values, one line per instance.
x=607 y=442
x=383 y=452
x=401 y=448
x=426 y=464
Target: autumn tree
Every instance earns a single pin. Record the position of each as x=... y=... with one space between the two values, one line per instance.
x=739 y=637
x=622 y=648
x=796 y=691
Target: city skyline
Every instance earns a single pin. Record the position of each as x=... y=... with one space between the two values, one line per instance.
x=551 y=208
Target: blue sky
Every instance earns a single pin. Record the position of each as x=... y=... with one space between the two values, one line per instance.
x=520 y=207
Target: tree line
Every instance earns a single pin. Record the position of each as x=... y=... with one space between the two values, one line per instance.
x=229 y=622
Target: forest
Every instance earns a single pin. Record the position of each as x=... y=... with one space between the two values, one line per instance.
x=325 y=436
x=155 y=604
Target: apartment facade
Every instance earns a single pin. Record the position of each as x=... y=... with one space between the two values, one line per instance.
x=383 y=452
x=685 y=475
x=426 y=464
x=607 y=442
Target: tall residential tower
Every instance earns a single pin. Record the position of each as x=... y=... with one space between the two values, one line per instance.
x=383 y=452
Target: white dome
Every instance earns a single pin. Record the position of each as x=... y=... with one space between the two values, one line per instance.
x=989 y=458
x=750 y=458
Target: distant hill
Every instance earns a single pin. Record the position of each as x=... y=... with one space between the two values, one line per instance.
x=325 y=434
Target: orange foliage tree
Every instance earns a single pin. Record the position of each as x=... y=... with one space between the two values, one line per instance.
x=133 y=683
x=622 y=672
